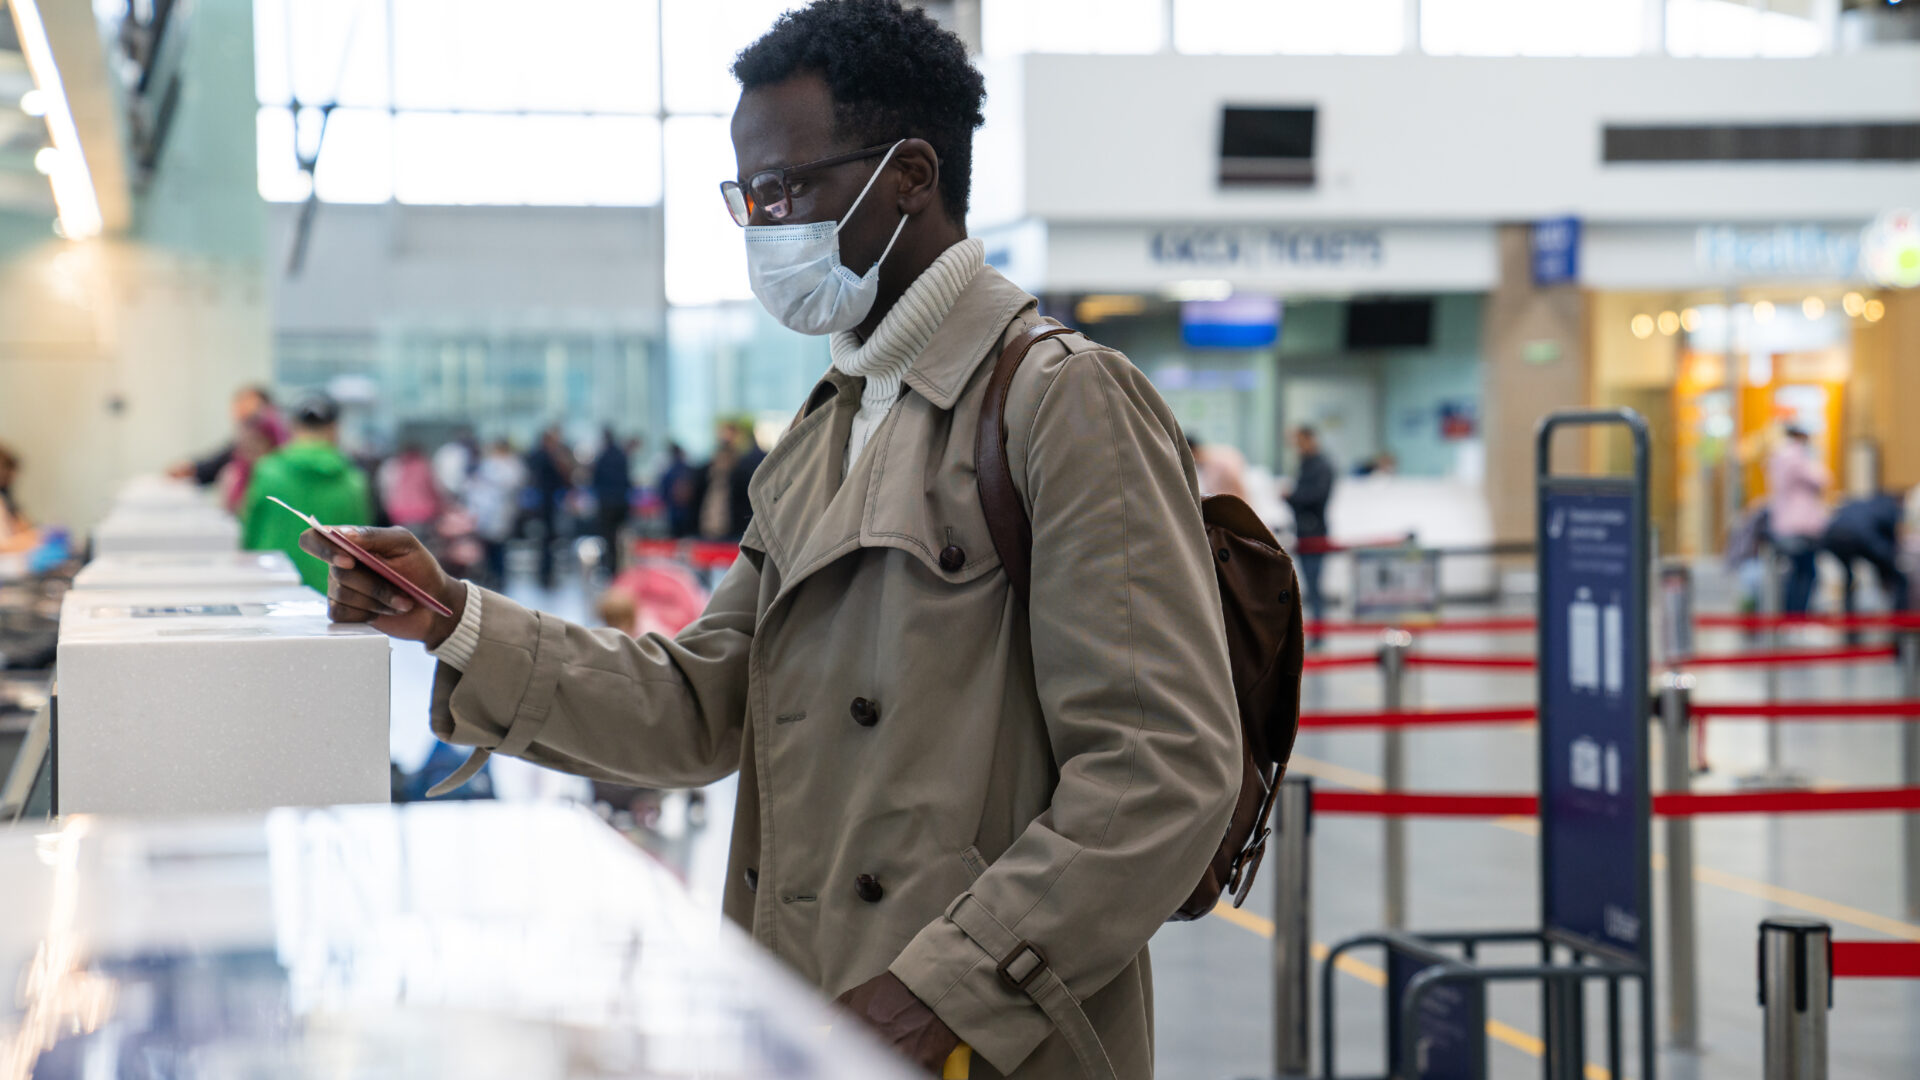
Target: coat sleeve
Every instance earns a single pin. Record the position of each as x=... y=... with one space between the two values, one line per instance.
x=1130 y=662
x=652 y=711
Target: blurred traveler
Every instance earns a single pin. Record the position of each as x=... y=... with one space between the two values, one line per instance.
x=310 y=474
x=1381 y=464
x=409 y=491
x=719 y=512
x=1868 y=530
x=250 y=404
x=453 y=466
x=16 y=532
x=1312 y=490
x=1746 y=554
x=493 y=494
x=256 y=440
x=612 y=494
x=1797 y=486
x=550 y=468
x=739 y=501
x=680 y=490
x=962 y=811
x=1221 y=468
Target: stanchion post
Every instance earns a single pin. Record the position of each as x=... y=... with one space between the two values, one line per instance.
x=1393 y=771
x=1683 y=993
x=1292 y=926
x=1796 y=990
x=1775 y=603
x=1910 y=765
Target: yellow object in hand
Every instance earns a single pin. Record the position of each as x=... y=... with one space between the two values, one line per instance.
x=959 y=1063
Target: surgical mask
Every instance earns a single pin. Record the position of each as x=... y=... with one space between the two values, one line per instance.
x=797 y=273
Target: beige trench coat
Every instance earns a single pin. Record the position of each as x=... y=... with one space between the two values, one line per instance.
x=934 y=780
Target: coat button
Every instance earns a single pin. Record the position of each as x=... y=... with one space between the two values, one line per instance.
x=753 y=879
x=865 y=713
x=869 y=888
x=952 y=558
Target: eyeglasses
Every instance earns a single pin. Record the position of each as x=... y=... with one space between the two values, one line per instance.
x=768 y=190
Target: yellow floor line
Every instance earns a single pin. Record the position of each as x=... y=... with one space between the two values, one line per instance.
x=1301 y=765
x=1376 y=978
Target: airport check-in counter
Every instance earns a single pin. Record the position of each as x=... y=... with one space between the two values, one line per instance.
x=188 y=529
x=427 y=941
x=170 y=570
x=212 y=700
x=153 y=493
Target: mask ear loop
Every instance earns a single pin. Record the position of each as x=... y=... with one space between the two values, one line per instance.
x=858 y=199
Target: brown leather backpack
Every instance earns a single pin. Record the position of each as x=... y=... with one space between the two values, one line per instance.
x=1259 y=597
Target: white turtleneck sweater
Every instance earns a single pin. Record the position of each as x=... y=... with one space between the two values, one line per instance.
x=897 y=342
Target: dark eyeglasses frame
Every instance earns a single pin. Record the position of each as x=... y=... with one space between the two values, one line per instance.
x=739 y=197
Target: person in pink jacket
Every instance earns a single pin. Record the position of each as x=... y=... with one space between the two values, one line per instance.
x=1797 y=486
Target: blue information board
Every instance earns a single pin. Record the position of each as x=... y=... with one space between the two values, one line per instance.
x=1451 y=1042
x=1594 y=840
x=1556 y=251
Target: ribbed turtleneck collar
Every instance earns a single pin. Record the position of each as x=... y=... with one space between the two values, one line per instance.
x=884 y=358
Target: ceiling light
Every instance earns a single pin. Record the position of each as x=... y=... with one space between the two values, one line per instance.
x=1669 y=323
x=1853 y=304
x=1874 y=311
x=73 y=191
x=34 y=103
x=1690 y=320
x=46 y=160
x=1813 y=307
x=1763 y=311
x=1642 y=326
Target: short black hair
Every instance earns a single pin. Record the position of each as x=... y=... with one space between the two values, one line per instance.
x=317 y=411
x=893 y=73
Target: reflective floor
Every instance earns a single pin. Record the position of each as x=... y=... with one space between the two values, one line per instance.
x=1213 y=980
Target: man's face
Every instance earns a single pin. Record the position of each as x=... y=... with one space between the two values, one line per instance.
x=791 y=123
x=1304 y=442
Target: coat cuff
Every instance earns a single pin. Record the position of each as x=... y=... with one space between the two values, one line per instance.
x=457 y=651
x=503 y=704
x=959 y=980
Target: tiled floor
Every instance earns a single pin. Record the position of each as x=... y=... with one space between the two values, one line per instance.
x=1213 y=978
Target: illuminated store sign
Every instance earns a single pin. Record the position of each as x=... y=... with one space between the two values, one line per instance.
x=1267 y=248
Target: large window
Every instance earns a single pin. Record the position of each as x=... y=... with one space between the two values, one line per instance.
x=1531 y=27
x=1354 y=27
x=459 y=101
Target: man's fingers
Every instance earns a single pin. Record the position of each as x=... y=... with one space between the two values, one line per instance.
x=374 y=587
x=387 y=543
x=344 y=595
x=344 y=613
x=323 y=549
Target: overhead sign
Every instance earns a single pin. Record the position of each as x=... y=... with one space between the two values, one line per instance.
x=1594 y=798
x=1778 y=251
x=1234 y=247
x=1556 y=251
x=1260 y=258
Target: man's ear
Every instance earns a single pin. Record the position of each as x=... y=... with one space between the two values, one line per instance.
x=919 y=172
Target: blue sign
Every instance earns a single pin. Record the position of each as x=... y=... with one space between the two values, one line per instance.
x=1451 y=1041
x=1556 y=251
x=1593 y=716
x=1239 y=322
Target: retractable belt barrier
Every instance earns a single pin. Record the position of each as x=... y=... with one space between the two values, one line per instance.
x=1798 y=961
x=1668 y=804
x=699 y=554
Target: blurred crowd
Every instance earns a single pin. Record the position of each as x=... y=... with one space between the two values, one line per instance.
x=466 y=499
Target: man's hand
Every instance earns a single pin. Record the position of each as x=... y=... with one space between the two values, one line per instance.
x=903 y=1021
x=356 y=594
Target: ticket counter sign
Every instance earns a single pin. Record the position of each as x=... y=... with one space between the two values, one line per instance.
x=1594 y=835
x=1396 y=583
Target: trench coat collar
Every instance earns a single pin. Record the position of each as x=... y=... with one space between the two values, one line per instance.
x=968 y=335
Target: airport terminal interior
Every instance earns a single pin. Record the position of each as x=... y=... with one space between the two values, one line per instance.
x=1462 y=449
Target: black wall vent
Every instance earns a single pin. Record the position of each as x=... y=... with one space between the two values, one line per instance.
x=1644 y=143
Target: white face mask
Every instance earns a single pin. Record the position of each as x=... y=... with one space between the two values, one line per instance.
x=797 y=273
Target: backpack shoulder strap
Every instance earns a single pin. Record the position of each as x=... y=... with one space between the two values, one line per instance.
x=1006 y=517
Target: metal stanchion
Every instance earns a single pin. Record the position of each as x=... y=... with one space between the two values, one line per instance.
x=1796 y=990
x=1683 y=994
x=1775 y=604
x=1910 y=765
x=1292 y=925
x=1393 y=771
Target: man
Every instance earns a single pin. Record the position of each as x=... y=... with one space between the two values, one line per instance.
x=311 y=474
x=961 y=815
x=251 y=405
x=612 y=491
x=680 y=490
x=549 y=473
x=1868 y=530
x=1797 y=486
x=1312 y=490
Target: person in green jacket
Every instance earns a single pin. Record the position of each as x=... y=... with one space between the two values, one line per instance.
x=311 y=474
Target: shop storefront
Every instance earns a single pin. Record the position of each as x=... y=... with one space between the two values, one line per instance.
x=1726 y=335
